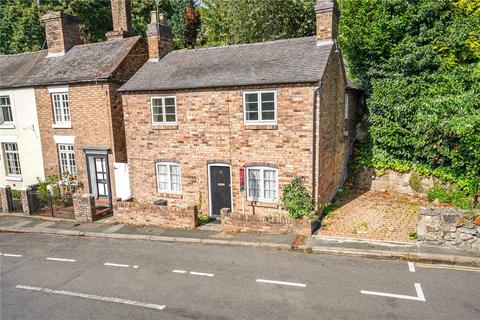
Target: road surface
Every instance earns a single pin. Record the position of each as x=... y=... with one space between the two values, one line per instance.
x=55 y=277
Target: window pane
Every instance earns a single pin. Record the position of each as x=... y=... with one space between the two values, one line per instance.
x=270 y=184
x=157 y=102
x=252 y=115
x=12 y=158
x=251 y=97
x=268 y=96
x=171 y=118
x=268 y=115
x=6 y=109
x=170 y=109
x=268 y=106
x=254 y=183
x=170 y=101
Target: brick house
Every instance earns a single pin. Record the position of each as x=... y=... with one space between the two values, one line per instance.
x=79 y=110
x=228 y=127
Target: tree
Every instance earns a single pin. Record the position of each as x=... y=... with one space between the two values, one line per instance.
x=420 y=64
x=246 y=21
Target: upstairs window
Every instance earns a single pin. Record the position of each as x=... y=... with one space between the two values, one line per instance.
x=12 y=159
x=168 y=177
x=6 y=109
x=164 y=110
x=67 y=159
x=260 y=107
x=61 y=109
x=262 y=184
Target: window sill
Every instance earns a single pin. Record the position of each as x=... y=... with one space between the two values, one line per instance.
x=165 y=126
x=62 y=126
x=261 y=127
x=14 y=178
x=273 y=205
x=7 y=126
x=170 y=195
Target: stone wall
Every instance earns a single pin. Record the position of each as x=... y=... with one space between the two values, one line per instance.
x=233 y=223
x=150 y=214
x=448 y=227
x=389 y=180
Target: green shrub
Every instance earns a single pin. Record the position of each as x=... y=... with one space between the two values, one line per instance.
x=16 y=194
x=438 y=193
x=298 y=201
x=204 y=219
x=415 y=182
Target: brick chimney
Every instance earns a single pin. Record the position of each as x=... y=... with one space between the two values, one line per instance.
x=62 y=32
x=122 y=17
x=159 y=36
x=328 y=15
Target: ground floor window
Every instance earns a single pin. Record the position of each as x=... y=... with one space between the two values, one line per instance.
x=262 y=184
x=168 y=177
x=67 y=159
x=12 y=159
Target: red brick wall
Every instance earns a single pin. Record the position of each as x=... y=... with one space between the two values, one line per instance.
x=149 y=214
x=91 y=125
x=211 y=128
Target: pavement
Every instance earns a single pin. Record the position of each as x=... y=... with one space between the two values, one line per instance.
x=50 y=277
x=213 y=236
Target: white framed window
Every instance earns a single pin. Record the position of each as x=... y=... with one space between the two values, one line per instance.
x=168 y=177
x=66 y=154
x=260 y=107
x=6 y=110
x=12 y=159
x=164 y=110
x=61 y=109
x=262 y=184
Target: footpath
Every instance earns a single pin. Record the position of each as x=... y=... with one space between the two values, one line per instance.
x=212 y=236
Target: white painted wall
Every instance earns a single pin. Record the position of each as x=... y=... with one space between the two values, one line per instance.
x=122 y=181
x=26 y=132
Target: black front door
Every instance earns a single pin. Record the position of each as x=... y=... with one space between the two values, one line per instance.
x=220 y=189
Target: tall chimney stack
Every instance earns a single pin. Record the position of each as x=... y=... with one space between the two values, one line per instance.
x=328 y=16
x=159 y=36
x=62 y=32
x=121 y=17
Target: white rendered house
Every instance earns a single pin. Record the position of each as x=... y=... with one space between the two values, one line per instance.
x=21 y=161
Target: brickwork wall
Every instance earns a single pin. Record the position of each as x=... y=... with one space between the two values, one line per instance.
x=333 y=146
x=62 y=31
x=162 y=216
x=211 y=128
x=233 y=223
x=91 y=125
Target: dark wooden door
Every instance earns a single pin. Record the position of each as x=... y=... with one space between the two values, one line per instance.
x=220 y=189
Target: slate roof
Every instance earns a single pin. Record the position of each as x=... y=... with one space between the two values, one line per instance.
x=82 y=63
x=297 y=60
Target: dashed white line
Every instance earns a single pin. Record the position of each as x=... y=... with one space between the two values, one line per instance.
x=12 y=255
x=420 y=296
x=61 y=259
x=135 y=267
x=411 y=266
x=93 y=297
x=203 y=274
x=293 y=284
x=179 y=271
x=116 y=265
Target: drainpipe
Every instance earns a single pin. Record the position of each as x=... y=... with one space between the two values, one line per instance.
x=316 y=95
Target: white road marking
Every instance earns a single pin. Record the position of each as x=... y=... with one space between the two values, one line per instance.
x=12 y=255
x=116 y=265
x=420 y=296
x=201 y=274
x=179 y=271
x=294 y=284
x=411 y=266
x=135 y=267
x=61 y=259
x=93 y=297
